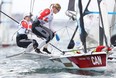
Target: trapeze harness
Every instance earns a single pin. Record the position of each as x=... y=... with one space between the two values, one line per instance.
x=22 y=38
x=46 y=16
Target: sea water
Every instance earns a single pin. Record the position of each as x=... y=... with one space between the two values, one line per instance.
x=31 y=65
x=34 y=66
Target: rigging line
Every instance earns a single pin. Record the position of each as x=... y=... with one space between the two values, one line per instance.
x=63 y=28
x=32 y=5
x=65 y=25
x=111 y=26
x=51 y=45
x=70 y=28
x=63 y=32
x=66 y=29
x=67 y=50
x=80 y=49
x=31 y=10
x=57 y=48
x=60 y=29
x=13 y=20
x=15 y=33
x=68 y=32
x=9 y=17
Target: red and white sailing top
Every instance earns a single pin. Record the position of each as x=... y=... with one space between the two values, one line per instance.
x=46 y=16
x=25 y=26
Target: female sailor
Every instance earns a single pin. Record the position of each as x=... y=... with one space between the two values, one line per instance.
x=22 y=39
x=45 y=32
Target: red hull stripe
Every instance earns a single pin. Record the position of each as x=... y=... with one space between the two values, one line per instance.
x=98 y=60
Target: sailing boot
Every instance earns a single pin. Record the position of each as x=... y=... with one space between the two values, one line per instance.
x=35 y=45
x=46 y=50
x=37 y=50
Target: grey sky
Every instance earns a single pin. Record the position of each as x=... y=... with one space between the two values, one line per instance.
x=23 y=6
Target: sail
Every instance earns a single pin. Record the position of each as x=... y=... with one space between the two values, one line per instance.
x=104 y=32
x=113 y=27
x=113 y=21
x=104 y=28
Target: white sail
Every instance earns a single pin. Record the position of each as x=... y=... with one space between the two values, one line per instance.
x=92 y=20
x=112 y=20
x=104 y=13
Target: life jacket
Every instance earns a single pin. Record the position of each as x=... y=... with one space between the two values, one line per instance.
x=45 y=16
x=25 y=26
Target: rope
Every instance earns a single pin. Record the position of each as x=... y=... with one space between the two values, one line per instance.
x=31 y=10
x=32 y=6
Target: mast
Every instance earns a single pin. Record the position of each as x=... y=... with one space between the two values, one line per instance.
x=83 y=33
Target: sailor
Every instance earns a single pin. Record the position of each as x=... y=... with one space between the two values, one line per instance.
x=22 y=39
x=42 y=31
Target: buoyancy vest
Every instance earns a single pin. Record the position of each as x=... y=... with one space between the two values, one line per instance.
x=25 y=26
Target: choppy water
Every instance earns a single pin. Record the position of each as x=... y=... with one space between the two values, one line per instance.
x=34 y=66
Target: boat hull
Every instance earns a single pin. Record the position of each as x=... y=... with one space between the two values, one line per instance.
x=94 y=61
